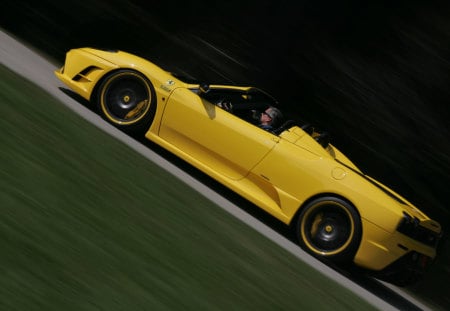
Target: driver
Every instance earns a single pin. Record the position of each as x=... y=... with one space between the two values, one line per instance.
x=269 y=119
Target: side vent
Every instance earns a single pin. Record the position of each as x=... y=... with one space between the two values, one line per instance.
x=83 y=76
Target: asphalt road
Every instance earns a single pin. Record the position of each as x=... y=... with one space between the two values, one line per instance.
x=39 y=70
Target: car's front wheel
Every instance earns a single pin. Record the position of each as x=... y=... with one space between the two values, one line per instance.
x=127 y=100
x=329 y=228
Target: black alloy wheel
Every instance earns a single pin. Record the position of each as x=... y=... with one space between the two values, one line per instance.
x=127 y=100
x=330 y=228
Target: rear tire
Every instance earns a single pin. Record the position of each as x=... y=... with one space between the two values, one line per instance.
x=127 y=100
x=329 y=228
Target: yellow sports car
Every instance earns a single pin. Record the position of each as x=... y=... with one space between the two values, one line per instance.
x=288 y=170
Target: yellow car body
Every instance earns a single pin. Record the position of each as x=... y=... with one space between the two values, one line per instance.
x=288 y=173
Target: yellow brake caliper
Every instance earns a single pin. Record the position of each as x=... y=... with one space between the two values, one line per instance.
x=137 y=110
x=315 y=225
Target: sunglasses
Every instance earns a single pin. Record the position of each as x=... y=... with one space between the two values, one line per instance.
x=265 y=113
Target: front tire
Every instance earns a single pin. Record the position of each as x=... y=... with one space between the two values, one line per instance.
x=329 y=228
x=127 y=100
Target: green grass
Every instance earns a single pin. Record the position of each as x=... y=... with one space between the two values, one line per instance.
x=88 y=224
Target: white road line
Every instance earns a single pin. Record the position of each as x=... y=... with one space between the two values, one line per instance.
x=29 y=64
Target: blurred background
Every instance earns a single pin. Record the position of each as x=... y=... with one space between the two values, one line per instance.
x=375 y=74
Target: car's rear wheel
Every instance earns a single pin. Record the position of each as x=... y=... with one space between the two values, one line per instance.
x=329 y=228
x=127 y=100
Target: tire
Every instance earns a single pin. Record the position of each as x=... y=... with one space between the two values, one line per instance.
x=329 y=228
x=127 y=100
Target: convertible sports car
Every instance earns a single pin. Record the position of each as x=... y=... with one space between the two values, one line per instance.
x=291 y=171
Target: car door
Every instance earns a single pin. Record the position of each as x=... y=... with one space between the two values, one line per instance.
x=213 y=136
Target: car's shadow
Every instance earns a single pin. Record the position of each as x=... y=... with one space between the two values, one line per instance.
x=355 y=274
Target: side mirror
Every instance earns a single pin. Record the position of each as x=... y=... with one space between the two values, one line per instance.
x=203 y=89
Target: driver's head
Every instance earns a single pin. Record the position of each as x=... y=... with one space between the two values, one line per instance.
x=274 y=114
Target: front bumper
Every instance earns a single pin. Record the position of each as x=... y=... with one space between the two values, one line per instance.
x=82 y=71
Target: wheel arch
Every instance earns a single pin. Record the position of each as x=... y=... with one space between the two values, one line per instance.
x=322 y=195
x=95 y=92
